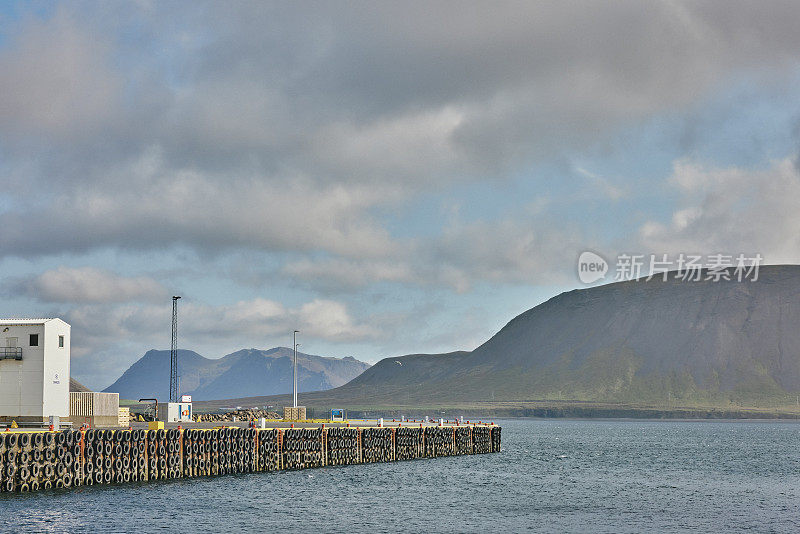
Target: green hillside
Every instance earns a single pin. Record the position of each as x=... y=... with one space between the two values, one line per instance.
x=663 y=345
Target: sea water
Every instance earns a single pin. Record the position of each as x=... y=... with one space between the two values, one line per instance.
x=551 y=476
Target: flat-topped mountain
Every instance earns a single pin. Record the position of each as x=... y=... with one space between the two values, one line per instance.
x=645 y=343
x=635 y=341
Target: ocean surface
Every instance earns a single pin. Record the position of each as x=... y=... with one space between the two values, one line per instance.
x=552 y=476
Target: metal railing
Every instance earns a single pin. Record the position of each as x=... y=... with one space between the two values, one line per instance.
x=10 y=353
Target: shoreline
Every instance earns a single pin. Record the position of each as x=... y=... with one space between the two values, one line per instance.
x=523 y=409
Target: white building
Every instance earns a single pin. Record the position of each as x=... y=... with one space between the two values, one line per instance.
x=175 y=412
x=34 y=369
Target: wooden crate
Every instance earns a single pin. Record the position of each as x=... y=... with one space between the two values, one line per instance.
x=294 y=414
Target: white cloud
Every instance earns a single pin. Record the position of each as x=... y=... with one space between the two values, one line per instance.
x=732 y=210
x=87 y=284
x=109 y=337
x=244 y=323
x=609 y=190
x=146 y=204
x=522 y=249
x=330 y=320
x=339 y=273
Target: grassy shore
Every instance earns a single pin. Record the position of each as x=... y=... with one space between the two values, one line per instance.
x=530 y=408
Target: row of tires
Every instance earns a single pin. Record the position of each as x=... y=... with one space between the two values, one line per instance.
x=30 y=461
x=342 y=446
x=303 y=448
x=440 y=441
x=377 y=445
x=221 y=451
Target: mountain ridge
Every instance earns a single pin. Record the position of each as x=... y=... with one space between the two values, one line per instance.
x=650 y=343
x=245 y=372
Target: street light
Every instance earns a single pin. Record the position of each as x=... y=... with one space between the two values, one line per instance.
x=296 y=374
x=294 y=370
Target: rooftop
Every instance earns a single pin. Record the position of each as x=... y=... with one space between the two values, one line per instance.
x=28 y=320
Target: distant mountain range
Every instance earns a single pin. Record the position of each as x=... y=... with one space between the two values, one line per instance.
x=248 y=372
x=645 y=343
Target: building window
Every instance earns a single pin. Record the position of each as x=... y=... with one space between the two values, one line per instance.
x=61 y=342
x=34 y=340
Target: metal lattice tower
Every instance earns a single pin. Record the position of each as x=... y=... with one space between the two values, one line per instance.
x=173 y=354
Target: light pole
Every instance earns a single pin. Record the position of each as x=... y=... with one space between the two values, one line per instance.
x=296 y=374
x=294 y=370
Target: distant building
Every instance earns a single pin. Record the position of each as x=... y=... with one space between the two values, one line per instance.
x=34 y=369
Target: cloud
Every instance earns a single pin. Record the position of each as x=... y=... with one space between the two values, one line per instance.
x=330 y=320
x=317 y=139
x=523 y=249
x=57 y=79
x=275 y=128
x=147 y=205
x=339 y=273
x=240 y=324
x=608 y=189
x=87 y=285
x=731 y=210
x=322 y=319
x=109 y=337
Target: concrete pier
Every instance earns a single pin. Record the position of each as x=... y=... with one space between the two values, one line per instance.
x=35 y=460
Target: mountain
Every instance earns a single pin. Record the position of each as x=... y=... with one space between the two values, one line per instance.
x=244 y=373
x=649 y=343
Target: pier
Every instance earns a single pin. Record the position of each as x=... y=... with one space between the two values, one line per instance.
x=37 y=460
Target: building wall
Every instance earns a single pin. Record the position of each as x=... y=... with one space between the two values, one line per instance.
x=106 y=404
x=97 y=409
x=93 y=403
x=21 y=382
x=56 y=369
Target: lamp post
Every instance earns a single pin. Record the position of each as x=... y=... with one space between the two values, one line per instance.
x=294 y=370
x=296 y=374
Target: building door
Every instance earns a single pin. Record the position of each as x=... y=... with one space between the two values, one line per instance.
x=11 y=341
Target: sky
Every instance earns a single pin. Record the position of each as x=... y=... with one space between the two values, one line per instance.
x=387 y=178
